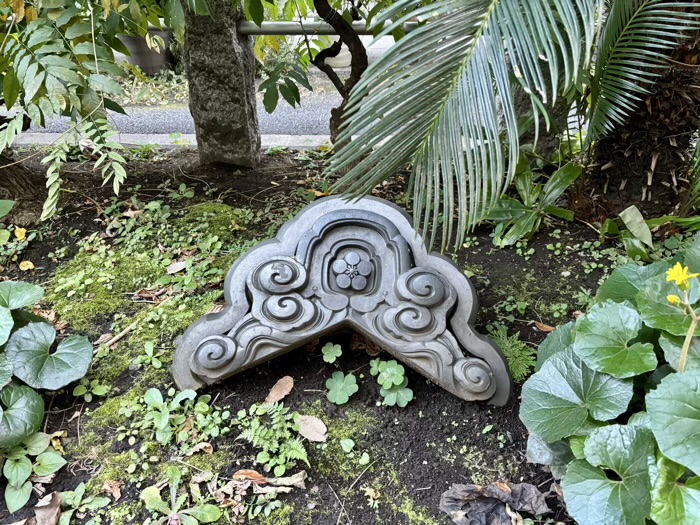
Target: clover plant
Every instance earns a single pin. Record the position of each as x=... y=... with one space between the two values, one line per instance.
x=17 y=467
x=27 y=355
x=614 y=408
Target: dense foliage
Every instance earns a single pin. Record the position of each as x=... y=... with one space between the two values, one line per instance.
x=614 y=409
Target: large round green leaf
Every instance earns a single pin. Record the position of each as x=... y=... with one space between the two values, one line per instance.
x=558 y=399
x=592 y=498
x=21 y=414
x=5 y=371
x=626 y=280
x=6 y=324
x=674 y=416
x=673 y=345
x=15 y=295
x=674 y=502
x=29 y=351
x=657 y=312
x=561 y=339
x=603 y=337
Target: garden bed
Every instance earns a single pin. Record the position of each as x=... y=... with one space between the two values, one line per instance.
x=110 y=284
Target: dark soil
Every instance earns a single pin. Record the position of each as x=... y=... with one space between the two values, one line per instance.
x=417 y=452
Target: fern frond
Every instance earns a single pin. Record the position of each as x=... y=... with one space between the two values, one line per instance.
x=440 y=97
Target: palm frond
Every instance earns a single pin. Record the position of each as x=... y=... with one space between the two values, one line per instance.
x=442 y=95
x=636 y=39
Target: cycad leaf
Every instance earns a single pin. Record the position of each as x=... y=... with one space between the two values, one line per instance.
x=442 y=95
x=636 y=39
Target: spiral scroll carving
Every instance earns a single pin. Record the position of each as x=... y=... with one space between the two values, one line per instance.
x=279 y=276
x=212 y=354
x=422 y=286
x=475 y=375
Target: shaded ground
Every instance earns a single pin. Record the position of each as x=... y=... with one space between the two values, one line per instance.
x=114 y=254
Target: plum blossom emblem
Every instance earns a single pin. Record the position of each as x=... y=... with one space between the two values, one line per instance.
x=351 y=271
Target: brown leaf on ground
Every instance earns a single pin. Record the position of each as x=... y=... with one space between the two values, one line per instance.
x=477 y=505
x=544 y=327
x=177 y=266
x=249 y=475
x=297 y=481
x=114 y=488
x=201 y=447
x=312 y=428
x=48 y=509
x=56 y=441
x=359 y=342
x=281 y=390
x=102 y=339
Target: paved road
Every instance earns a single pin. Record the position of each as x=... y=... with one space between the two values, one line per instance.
x=311 y=118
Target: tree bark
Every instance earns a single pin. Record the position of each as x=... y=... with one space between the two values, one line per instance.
x=23 y=186
x=358 y=63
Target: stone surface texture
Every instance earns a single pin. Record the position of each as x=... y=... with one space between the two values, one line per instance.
x=220 y=67
x=347 y=265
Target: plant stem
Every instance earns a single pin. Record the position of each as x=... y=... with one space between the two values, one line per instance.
x=686 y=343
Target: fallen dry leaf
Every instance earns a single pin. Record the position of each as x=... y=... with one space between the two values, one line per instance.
x=297 y=480
x=281 y=390
x=202 y=477
x=249 y=475
x=359 y=342
x=177 y=266
x=201 y=447
x=257 y=489
x=56 y=441
x=48 y=509
x=312 y=428
x=114 y=488
x=469 y=503
x=102 y=339
x=544 y=327
x=131 y=213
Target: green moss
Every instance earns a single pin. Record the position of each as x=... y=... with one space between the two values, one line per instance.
x=122 y=513
x=328 y=458
x=221 y=459
x=218 y=219
x=107 y=415
x=414 y=515
x=93 y=285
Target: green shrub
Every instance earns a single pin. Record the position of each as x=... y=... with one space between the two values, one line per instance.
x=614 y=408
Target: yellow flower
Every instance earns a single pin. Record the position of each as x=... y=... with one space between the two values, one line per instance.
x=20 y=233
x=673 y=299
x=679 y=274
x=26 y=266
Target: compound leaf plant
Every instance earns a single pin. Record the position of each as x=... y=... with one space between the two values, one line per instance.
x=614 y=408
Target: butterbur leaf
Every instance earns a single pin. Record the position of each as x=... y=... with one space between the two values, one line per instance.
x=557 y=341
x=603 y=337
x=5 y=371
x=672 y=346
x=6 y=324
x=558 y=399
x=674 y=417
x=22 y=412
x=341 y=387
x=29 y=351
x=657 y=312
x=556 y=455
x=14 y=295
x=625 y=281
x=592 y=498
x=674 y=502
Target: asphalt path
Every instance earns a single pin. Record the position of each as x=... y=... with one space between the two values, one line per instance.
x=311 y=118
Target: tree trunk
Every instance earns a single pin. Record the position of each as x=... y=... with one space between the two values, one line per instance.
x=20 y=184
x=358 y=63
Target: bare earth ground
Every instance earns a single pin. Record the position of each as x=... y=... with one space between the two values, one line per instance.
x=415 y=453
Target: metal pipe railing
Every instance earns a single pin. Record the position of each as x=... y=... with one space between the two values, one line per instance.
x=311 y=27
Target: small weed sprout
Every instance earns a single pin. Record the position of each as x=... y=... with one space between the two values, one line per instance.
x=87 y=389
